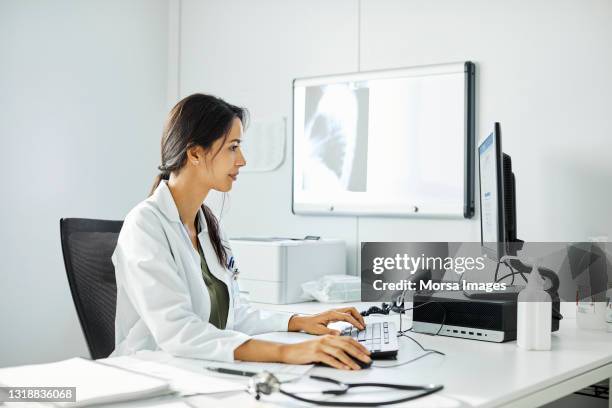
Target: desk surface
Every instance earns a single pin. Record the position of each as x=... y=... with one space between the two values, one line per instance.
x=478 y=373
x=474 y=373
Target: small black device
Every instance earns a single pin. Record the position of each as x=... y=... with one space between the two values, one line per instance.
x=380 y=338
x=470 y=318
x=357 y=361
x=229 y=371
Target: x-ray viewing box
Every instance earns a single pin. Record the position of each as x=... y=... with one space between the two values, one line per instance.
x=272 y=270
x=386 y=143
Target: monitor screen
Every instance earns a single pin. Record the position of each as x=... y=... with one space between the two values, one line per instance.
x=491 y=211
x=380 y=143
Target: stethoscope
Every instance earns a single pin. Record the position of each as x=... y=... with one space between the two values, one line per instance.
x=266 y=383
x=231 y=267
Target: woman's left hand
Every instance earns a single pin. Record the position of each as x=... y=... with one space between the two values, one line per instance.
x=317 y=324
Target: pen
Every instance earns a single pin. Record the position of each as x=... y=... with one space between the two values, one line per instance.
x=221 y=370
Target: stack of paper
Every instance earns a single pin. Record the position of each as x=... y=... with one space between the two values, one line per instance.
x=95 y=383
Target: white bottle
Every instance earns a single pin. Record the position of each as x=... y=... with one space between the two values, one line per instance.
x=534 y=319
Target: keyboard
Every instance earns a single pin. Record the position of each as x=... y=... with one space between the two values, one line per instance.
x=378 y=337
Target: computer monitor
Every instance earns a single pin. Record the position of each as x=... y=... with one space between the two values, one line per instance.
x=497 y=198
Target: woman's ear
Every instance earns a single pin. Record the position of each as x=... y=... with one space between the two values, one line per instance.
x=195 y=154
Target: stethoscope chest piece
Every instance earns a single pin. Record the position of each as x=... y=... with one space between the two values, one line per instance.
x=263 y=383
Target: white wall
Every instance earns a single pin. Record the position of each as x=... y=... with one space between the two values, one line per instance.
x=248 y=53
x=82 y=103
x=544 y=73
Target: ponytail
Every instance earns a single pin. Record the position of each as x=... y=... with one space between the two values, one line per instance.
x=215 y=235
x=164 y=175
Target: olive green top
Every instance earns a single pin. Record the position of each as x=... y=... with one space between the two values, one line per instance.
x=219 y=297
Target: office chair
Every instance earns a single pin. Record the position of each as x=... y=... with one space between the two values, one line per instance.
x=87 y=246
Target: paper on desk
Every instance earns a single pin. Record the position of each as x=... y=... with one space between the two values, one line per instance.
x=86 y=376
x=181 y=380
x=156 y=402
x=160 y=402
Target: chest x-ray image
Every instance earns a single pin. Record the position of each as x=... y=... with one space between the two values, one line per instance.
x=336 y=134
x=381 y=142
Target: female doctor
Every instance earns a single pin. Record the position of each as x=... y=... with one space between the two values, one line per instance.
x=175 y=288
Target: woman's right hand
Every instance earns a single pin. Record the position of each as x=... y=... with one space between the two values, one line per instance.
x=335 y=351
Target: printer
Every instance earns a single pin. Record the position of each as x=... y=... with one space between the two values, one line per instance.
x=272 y=270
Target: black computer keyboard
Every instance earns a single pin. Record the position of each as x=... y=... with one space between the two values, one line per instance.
x=378 y=337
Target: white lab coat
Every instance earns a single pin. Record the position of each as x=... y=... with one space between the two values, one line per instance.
x=162 y=300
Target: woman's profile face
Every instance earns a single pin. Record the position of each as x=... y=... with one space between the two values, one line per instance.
x=224 y=159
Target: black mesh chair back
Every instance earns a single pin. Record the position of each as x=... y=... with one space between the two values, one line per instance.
x=87 y=246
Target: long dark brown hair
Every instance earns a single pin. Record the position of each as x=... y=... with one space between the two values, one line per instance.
x=197 y=120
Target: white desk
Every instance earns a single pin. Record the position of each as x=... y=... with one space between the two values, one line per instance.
x=486 y=374
x=474 y=373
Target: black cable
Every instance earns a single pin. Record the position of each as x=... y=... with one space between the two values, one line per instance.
x=496 y=271
x=511 y=274
x=402 y=333
x=421 y=346
x=508 y=275
x=516 y=271
x=522 y=273
x=412 y=308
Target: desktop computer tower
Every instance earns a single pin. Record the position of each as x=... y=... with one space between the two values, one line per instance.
x=451 y=313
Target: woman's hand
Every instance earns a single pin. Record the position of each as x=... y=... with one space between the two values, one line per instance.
x=317 y=324
x=335 y=351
